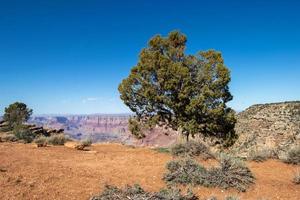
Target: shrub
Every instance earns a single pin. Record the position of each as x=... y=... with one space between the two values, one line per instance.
x=232 y=198
x=58 y=139
x=185 y=172
x=9 y=138
x=293 y=156
x=232 y=173
x=162 y=150
x=83 y=144
x=191 y=148
x=296 y=179
x=261 y=155
x=137 y=193
x=23 y=133
x=41 y=141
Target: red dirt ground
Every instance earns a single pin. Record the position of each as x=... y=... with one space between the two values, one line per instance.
x=28 y=172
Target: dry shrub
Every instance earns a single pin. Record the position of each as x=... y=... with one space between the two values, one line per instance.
x=9 y=138
x=192 y=148
x=185 y=172
x=137 y=193
x=232 y=173
x=83 y=144
x=293 y=156
x=262 y=155
x=232 y=198
x=296 y=178
x=58 y=139
x=41 y=141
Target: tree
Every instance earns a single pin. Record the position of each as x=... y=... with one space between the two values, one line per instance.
x=186 y=92
x=16 y=114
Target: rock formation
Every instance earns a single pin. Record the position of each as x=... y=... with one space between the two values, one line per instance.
x=275 y=126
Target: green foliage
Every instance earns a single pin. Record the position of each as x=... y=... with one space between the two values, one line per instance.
x=58 y=139
x=186 y=92
x=136 y=192
x=16 y=113
x=191 y=148
x=293 y=156
x=232 y=173
x=23 y=133
x=135 y=127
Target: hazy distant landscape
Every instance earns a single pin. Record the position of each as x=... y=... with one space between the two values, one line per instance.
x=98 y=127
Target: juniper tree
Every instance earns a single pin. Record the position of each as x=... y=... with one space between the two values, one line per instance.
x=186 y=92
x=16 y=113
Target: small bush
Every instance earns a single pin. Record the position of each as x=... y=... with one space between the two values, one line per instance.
x=293 y=156
x=162 y=150
x=137 y=193
x=24 y=134
x=83 y=144
x=258 y=156
x=41 y=141
x=191 y=148
x=232 y=173
x=232 y=198
x=9 y=138
x=59 y=139
x=296 y=179
x=185 y=172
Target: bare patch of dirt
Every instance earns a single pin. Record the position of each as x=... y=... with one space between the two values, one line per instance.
x=61 y=172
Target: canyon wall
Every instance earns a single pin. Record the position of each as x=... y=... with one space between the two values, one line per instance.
x=273 y=126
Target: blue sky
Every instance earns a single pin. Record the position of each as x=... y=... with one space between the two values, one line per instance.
x=62 y=56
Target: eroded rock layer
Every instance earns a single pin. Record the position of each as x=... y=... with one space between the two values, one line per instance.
x=273 y=126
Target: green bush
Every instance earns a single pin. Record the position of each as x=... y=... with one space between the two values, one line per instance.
x=191 y=148
x=232 y=173
x=137 y=193
x=58 y=139
x=23 y=133
x=41 y=141
x=293 y=156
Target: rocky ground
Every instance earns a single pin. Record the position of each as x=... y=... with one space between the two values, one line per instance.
x=28 y=172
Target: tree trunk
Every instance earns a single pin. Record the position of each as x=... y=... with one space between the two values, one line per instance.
x=187 y=137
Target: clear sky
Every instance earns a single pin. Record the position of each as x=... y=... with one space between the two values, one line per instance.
x=62 y=56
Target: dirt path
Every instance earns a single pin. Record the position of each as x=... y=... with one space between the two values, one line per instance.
x=27 y=172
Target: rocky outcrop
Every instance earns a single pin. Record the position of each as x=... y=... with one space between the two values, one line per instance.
x=274 y=126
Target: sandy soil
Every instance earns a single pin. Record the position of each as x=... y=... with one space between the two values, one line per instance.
x=27 y=172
